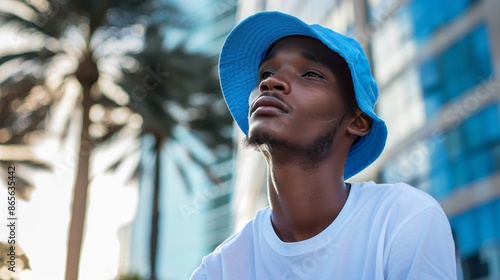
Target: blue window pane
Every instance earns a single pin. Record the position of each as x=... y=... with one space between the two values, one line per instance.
x=441 y=183
x=454 y=144
x=475 y=228
x=486 y=218
x=495 y=153
x=430 y=75
x=481 y=51
x=480 y=166
x=428 y=15
x=450 y=9
x=430 y=80
x=459 y=68
x=490 y=132
x=455 y=88
x=456 y=64
x=439 y=156
x=466 y=236
x=472 y=132
x=433 y=103
x=460 y=171
x=496 y=214
x=482 y=128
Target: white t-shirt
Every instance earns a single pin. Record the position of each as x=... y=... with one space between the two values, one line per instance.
x=384 y=231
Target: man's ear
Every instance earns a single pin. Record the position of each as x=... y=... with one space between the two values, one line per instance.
x=361 y=125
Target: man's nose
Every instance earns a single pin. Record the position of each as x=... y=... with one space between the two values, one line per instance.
x=274 y=83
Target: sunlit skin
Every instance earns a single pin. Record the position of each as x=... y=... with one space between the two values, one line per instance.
x=299 y=121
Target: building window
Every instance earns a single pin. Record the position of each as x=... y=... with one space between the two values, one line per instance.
x=474 y=267
x=428 y=16
x=477 y=235
x=454 y=71
x=460 y=156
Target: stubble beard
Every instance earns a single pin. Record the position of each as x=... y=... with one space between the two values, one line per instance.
x=310 y=155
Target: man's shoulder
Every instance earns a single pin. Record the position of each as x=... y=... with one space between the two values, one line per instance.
x=397 y=195
x=399 y=189
x=244 y=238
x=396 y=206
x=238 y=249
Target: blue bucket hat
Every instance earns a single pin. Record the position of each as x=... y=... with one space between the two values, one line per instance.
x=245 y=48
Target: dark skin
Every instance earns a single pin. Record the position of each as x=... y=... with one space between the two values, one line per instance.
x=299 y=121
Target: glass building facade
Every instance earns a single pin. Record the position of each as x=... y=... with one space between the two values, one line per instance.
x=437 y=64
x=446 y=94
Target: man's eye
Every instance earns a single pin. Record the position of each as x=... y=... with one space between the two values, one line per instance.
x=266 y=74
x=312 y=74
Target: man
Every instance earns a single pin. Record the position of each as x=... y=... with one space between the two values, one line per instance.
x=305 y=98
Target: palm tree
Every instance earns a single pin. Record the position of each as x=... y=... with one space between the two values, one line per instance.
x=93 y=42
x=189 y=98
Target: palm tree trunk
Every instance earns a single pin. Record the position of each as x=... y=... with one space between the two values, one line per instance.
x=155 y=217
x=79 y=207
x=87 y=74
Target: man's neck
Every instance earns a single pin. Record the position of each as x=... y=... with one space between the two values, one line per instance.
x=305 y=199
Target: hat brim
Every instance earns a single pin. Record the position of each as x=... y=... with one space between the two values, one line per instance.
x=245 y=48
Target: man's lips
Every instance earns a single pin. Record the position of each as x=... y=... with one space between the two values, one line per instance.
x=269 y=103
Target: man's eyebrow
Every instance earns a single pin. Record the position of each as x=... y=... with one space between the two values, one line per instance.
x=307 y=55
x=268 y=56
x=315 y=58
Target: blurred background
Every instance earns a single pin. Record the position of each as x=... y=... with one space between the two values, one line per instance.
x=127 y=163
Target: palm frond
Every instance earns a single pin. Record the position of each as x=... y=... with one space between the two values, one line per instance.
x=22 y=183
x=134 y=175
x=113 y=130
x=8 y=17
x=39 y=55
x=20 y=255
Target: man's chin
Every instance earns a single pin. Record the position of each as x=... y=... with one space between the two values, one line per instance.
x=260 y=140
x=314 y=149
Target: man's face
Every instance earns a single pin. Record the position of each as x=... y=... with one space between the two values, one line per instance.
x=298 y=101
